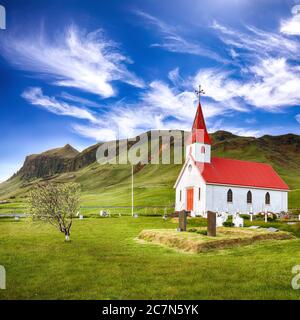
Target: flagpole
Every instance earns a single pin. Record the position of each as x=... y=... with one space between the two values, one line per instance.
x=132 y=190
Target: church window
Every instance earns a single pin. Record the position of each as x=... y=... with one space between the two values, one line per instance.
x=268 y=198
x=249 y=197
x=202 y=149
x=199 y=194
x=180 y=193
x=229 y=196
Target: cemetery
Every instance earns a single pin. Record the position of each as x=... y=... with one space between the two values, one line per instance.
x=214 y=236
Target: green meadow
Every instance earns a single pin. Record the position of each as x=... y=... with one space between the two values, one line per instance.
x=104 y=260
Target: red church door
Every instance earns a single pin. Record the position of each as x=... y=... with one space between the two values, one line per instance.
x=190 y=199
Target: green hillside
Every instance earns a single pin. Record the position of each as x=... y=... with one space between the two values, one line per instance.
x=111 y=184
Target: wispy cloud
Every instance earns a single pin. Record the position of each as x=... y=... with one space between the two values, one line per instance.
x=159 y=107
x=291 y=26
x=173 y=41
x=36 y=97
x=87 y=61
x=254 y=42
x=272 y=84
x=79 y=100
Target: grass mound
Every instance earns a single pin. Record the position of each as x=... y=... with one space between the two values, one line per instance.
x=198 y=242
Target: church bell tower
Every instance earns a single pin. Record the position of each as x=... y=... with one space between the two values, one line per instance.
x=200 y=147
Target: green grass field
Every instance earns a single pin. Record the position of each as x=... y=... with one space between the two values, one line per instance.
x=104 y=261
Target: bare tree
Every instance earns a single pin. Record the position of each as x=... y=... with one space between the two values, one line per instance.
x=55 y=203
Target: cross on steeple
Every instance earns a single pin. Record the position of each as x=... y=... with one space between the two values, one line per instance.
x=199 y=92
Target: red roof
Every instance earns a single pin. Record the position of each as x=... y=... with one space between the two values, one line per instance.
x=199 y=131
x=241 y=173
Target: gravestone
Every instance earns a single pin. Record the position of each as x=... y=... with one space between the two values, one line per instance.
x=238 y=221
x=81 y=217
x=221 y=218
x=211 y=224
x=182 y=220
x=251 y=216
x=272 y=229
x=103 y=213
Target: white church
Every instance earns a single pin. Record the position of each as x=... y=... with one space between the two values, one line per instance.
x=208 y=183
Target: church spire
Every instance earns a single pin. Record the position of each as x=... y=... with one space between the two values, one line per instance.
x=199 y=131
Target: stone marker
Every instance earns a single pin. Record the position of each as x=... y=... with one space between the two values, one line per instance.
x=266 y=217
x=254 y=227
x=211 y=224
x=238 y=221
x=103 y=213
x=221 y=218
x=182 y=220
x=17 y=218
x=81 y=217
x=272 y=229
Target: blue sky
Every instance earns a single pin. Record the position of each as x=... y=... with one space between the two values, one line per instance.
x=80 y=71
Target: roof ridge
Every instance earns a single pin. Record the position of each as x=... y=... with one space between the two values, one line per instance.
x=264 y=163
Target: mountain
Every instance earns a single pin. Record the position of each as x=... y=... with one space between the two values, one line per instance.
x=110 y=184
x=47 y=163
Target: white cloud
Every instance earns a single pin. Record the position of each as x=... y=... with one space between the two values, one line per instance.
x=291 y=26
x=298 y=117
x=173 y=41
x=257 y=43
x=86 y=61
x=273 y=85
x=174 y=77
x=81 y=101
x=160 y=107
x=36 y=97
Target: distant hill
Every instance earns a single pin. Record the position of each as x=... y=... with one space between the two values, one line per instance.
x=47 y=163
x=110 y=184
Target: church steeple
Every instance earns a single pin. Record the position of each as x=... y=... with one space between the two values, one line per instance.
x=200 y=147
x=199 y=131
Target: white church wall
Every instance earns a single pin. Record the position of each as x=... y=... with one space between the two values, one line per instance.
x=191 y=179
x=216 y=199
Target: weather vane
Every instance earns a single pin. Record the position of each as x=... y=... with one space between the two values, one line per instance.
x=199 y=92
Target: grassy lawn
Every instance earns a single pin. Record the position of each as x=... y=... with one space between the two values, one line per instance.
x=104 y=261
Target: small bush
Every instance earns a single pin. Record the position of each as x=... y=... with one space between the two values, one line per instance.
x=272 y=217
x=245 y=216
x=203 y=232
x=192 y=230
x=228 y=224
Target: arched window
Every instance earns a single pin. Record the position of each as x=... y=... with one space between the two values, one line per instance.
x=268 y=198
x=202 y=149
x=249 y=197
x=180 y=195
x=229 y=196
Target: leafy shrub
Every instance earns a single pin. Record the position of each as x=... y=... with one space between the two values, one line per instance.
x=272 y=217
x=192 y=230
x=228 y=224
x=245 y=216
x=204 y=232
